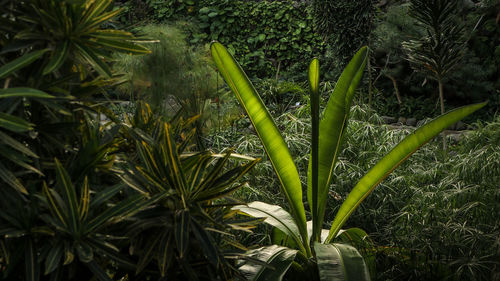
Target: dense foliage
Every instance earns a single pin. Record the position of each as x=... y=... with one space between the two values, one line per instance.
x=105 y=117
x=268 y=37
x=346 y=26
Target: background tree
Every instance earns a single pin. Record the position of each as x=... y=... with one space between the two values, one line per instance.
x=443 y=46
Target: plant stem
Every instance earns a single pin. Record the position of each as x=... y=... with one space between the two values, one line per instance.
x=441 y=102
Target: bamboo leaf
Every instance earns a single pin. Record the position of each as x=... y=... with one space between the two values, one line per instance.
x=6 y=139
x=122 y=210
x=331 y=130
x=83 y=206
x=53 y=206
x=266 y=129
x=19 y=63
x=393 y=159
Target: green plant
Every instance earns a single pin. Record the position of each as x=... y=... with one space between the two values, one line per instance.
x=326 y=144
x=267 y=37
x=173 y=76
x=443 y=46
x=187 y=234
x=54 y=67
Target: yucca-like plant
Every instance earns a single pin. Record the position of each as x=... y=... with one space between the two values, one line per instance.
x=186 y=235
x=53 y=60
x=313 y=244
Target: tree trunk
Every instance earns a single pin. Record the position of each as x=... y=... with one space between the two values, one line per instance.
x=370 y=89
x=396 y=89
x=441 y=102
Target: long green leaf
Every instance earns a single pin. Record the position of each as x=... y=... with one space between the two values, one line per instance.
x=277 y=258
x=24 y=92
x=6 y=139
x=182 y=223
x=340 y=262
x=393 y=159
x=8 y=177
x=14 y=124
x=54 y=257
x=19 y=63
x=31 y=262
x=69 y=195
x=273 y=142
x=92 y=58
x=331 y=130
x=123 y=209
x=313 y=159
x=59 y=56
x=123 y=46
x=275 y=216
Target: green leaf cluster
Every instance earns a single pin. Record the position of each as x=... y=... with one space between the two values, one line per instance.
x=265 y=36
x=325 y=147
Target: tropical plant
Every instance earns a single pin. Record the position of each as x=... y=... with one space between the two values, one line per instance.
x=187 y=234
x=443 y=46
x=173 y=76
x=53 y=63
x=314 y=245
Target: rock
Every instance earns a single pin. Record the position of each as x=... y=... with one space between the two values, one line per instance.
x=401 y=120
x=388 y=119
x=411 y=122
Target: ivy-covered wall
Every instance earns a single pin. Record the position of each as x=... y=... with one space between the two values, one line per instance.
x=264 y=36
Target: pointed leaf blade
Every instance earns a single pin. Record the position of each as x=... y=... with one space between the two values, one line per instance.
x=275 y=216
x=24 y=92
x=340 y=262
x=19 y=63
x=267 y=131
x=393 y=159
x=277 y=258
x=332 y=128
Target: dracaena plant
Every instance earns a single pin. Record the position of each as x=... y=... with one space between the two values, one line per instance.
x=64 y=229
x=187 y=234
x=53 y=58
x=312 y=245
